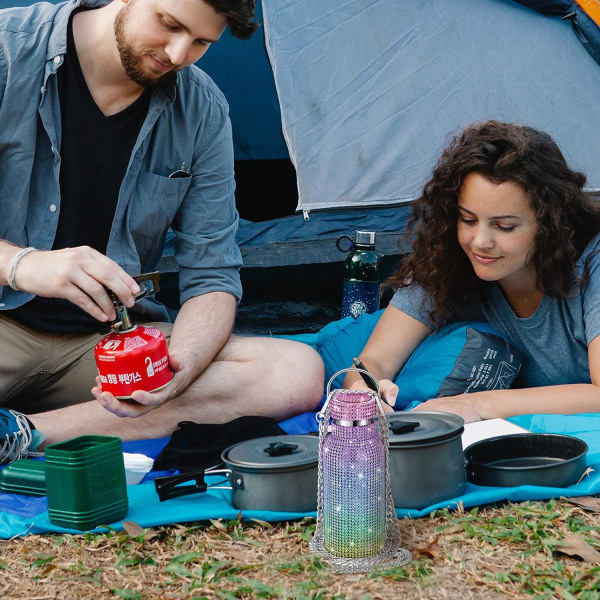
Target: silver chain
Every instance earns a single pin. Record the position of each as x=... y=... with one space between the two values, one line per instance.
x=392 y=555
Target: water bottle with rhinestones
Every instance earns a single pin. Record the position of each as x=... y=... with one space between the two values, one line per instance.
x=354 y=477
x=362 y=275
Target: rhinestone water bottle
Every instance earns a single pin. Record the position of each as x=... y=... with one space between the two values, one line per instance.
x=362 y=275
x=354 y=478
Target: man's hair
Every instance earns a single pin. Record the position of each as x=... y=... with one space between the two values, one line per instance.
x=567 y=217
x=239 y=15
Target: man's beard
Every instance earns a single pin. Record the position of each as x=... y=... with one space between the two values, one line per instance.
x=131 y=60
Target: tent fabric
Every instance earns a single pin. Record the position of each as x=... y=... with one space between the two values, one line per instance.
x=370 y=90
x=21 y=515
x=584 y=16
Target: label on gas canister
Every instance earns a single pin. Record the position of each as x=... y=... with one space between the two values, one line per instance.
x=133 y=360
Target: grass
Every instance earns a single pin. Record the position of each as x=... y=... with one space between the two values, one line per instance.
x=521 y=550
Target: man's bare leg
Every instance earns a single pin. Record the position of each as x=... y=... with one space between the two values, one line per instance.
x=250 y=376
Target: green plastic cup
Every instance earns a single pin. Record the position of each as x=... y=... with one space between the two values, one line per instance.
x=85 y=482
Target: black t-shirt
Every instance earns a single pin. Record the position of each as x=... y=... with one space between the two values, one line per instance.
x=95 y=152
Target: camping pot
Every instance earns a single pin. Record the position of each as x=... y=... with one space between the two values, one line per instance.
x=546 y=459
x=277 y=473
x=425 y=458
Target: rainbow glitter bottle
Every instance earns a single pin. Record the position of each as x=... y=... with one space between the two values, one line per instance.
x=353 y=477
x=357 y=528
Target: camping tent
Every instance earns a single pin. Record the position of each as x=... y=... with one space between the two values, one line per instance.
x=370 y=89
x=367 y=91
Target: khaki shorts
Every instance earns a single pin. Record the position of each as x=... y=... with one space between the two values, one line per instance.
x=41 y=371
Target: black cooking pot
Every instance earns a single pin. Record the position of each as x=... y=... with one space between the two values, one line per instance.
x=426 y=458
x=546 y=459
x=277 y=473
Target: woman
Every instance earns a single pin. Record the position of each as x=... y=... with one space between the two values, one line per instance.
x=504 y=234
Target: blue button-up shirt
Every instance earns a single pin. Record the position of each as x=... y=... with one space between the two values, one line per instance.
x=186 y=123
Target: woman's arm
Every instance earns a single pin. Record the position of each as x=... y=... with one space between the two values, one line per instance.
x=392 y=342
x=561 y=399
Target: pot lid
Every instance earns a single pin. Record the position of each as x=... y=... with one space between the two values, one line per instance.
x=423 y=427
x=276 y=452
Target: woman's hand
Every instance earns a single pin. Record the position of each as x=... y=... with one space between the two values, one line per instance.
x=463 y=405
x=389 y=391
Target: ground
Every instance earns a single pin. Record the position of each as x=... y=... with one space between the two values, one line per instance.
x=523 y=550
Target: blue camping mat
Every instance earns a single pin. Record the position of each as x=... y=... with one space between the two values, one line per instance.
x=22 y=515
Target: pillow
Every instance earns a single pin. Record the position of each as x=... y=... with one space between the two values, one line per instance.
x=340 y=341
x=459 y=358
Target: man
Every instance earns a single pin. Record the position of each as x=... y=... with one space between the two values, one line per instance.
x=99 y=104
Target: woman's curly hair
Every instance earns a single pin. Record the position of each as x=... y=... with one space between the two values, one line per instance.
x=239 y=15
x=567 y=217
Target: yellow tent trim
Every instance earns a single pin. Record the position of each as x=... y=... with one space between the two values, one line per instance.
x=592 y=8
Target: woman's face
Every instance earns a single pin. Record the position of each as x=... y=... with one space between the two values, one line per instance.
x=496 y=229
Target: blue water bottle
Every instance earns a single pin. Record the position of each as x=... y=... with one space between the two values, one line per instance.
x=362 y=275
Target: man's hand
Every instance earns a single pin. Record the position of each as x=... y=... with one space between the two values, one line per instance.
x=201 y=329
x=141 y=401
x=79 y=275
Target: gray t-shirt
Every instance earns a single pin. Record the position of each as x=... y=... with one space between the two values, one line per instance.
x=554 y=340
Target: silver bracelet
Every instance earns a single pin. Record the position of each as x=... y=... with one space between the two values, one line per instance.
x=14 y=263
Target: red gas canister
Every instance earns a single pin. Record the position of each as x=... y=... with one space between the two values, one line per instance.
x=133 y=357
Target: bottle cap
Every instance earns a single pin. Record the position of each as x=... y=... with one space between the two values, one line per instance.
x=365 y=238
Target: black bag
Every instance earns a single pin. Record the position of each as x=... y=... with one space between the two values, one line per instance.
x=196 y=446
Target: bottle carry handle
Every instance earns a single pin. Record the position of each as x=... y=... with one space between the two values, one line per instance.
x=349 y=370
x=378 y=398
x=350 y=248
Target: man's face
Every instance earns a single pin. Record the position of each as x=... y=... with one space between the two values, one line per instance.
x=157 y=37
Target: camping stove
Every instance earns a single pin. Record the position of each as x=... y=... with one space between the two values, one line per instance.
x=133 y=357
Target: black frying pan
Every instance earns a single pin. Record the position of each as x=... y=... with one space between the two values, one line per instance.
x=545 y=459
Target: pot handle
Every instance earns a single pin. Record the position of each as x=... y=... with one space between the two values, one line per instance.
x=399 y=427
x=167 y=487
x=280 y=449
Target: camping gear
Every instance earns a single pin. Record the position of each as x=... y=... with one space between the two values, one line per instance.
x=85 y=482
x=133 y=357
x=22 y=515
x=28 y=477
x=276 y=473
x=544 y=459
x=196 y=446
x=362 y=275
x=426 y=458
x=357 y=529
x=24 y=476
x=136 y=467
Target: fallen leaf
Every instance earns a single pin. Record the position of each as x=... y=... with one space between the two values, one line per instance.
x=575 y=545
x=430 y=550
x=588 y=503
x=218 y=524
x=265 y=524
x=132 y=528
x=588 y=471
x=240 y=556
x=47 y=569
